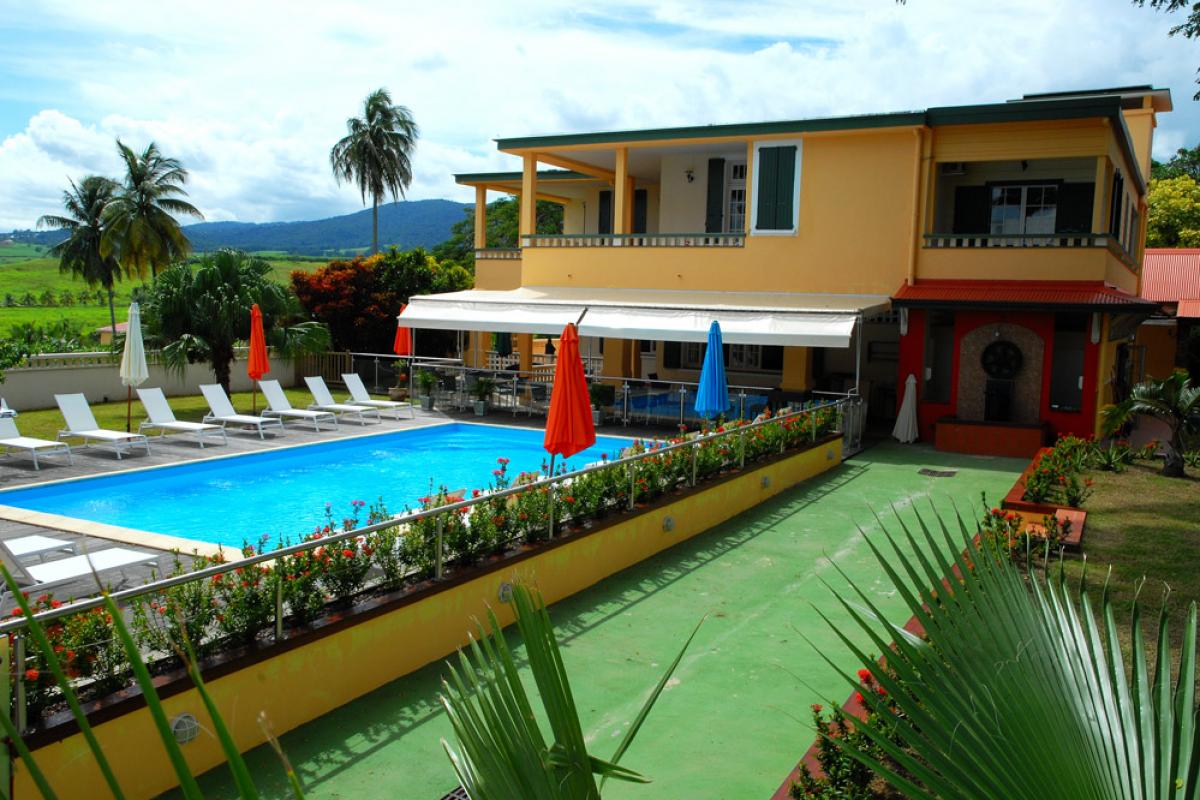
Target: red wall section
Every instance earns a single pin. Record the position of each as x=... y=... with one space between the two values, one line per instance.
x=912 y=361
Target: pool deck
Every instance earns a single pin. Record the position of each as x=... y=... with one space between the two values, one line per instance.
x=735 y=717
x=17 y=471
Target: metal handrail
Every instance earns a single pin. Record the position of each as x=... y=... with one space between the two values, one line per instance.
x=16 y=624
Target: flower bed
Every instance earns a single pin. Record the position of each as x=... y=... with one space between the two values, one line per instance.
x=233 y=611
x=1050 y=492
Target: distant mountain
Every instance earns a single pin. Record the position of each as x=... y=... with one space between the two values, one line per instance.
x=410 y=223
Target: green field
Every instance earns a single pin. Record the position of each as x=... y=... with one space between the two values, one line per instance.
x=26 y=268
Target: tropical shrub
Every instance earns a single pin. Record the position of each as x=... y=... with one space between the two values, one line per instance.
x=1175 y=402
x=345 y=563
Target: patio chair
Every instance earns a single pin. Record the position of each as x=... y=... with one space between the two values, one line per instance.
x=52 y=574
x=223 y=412
x=360 y=396
x=279 y=406
x=11 y=439
x=82 y=423
x=162 y=417
x=324 y=402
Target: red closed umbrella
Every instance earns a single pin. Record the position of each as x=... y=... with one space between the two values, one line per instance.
x=569 y=426
x=403 y=344
x=258 y=365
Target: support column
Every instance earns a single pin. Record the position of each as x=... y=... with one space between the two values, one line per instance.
x=480 y=217
x=1100 y=197
x=797 y=369
x=622 y=194
x=528 y=218
x=525 y=350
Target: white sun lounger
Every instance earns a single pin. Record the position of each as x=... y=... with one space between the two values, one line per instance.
x=360 y=397
x=11 y=439
x=82 y=423
x=37 y=545
x=48 y=575
x=278 y=406
x=162 y=417
x=325 y=402
x=223 y=412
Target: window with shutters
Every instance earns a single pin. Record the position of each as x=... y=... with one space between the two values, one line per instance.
x=738 y=357
x=735 y=198
x=776 y=187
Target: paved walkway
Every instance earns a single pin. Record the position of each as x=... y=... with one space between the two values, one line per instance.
x=735 y=718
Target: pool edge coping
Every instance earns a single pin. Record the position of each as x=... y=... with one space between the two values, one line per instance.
x=181 y=544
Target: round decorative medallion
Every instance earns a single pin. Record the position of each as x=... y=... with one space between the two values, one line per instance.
x=1001 y=360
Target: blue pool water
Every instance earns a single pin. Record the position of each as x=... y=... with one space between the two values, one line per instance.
x=282 y=493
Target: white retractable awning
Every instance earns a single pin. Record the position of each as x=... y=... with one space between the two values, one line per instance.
x=783 y=318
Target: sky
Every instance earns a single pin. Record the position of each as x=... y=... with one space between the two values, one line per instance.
x=251 y=95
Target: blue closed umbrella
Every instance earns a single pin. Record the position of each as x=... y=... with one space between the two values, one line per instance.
x=712 y=396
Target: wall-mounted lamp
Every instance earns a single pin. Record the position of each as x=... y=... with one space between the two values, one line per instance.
x=690 y=174
x=1024 y=165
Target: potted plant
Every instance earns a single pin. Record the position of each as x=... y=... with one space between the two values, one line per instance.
x=427 y=380
x=400 y=390
x=482 y=391
x=601 y=394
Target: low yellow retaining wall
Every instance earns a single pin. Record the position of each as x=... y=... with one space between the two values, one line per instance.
x=304 y=682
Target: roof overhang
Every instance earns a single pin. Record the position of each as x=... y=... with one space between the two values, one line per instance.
x=778 y=318
x=1020 y=295
x=1188 y=309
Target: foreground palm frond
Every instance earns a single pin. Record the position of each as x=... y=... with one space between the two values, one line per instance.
x=501 y=751
x=1015 y=692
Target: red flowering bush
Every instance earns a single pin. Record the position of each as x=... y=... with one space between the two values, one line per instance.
x=246 y=599
x=163 y=620
x=344 y=564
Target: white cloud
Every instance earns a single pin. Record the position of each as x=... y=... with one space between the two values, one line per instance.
x=252 y=95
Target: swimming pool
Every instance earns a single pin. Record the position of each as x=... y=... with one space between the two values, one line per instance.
x=282 y=493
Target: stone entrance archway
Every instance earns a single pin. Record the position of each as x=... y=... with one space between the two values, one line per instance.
x=1024 y=401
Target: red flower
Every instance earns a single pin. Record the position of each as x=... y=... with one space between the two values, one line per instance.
x=348 y=553
x=55 y=603
x=858 y=698
x=865 y=676
x=816 y=707
x=16 y=612
x=31 y=674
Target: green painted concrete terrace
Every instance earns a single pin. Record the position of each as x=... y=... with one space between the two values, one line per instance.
x=736 y=716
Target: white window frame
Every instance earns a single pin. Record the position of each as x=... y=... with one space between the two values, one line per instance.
x=731 y=184
x=752 y=193
x=1022 y=208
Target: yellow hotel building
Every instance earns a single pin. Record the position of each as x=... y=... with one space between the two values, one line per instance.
x=992 y=251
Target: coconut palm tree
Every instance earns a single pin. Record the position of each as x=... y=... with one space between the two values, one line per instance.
x=1172 y=400
x=376 y=153
x=140 y=228
x=199 y=314
x=1018 y=689
x=82 y=254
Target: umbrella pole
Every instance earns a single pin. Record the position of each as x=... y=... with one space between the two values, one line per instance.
x=128 y=408
x=254 y=397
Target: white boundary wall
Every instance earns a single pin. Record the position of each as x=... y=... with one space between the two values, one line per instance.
x=96 y=375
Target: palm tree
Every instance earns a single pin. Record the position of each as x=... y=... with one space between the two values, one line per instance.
x=82 y=253
x=200 y=314
x=1172 y=400
x=376 y=153
x=1017 y=690
x=141 y=231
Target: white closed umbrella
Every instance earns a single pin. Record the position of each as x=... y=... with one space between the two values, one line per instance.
x=134 y=370
x=906 y=421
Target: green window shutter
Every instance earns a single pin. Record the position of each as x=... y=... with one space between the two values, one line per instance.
x=640 y=202
x=766 y=169
x=972 y=210
x=715 y=206
x=605 y=212
x=1074 y=214
x=785 y=187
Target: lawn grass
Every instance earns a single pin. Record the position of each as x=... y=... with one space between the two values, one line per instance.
x=46 y=423
x=1145 y=527
x=34 y=272
x=19 y=251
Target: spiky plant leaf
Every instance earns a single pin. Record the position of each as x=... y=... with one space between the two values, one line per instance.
x=1019 y=690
